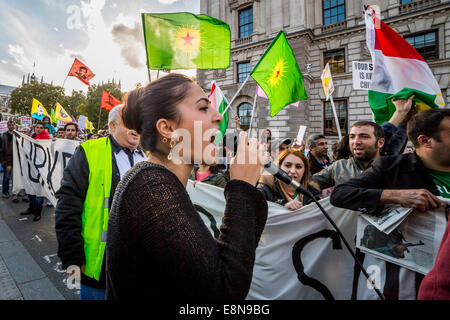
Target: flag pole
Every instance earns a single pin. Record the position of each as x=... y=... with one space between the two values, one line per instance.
x=99 y=115
x=157 y=75
x=149 y=75
x=253 y=113
x=235 y=95
x=335 y=117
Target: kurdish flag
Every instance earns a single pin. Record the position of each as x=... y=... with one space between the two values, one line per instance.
x=186 y=41
x=61 y=114
x=53 y=116
x=37 y=110
x=399 y=71
x=278 y=74
x=220 y=103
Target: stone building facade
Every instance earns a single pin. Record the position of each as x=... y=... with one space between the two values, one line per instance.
x=321 y=31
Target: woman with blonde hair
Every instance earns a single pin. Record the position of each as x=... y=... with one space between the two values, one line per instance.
x=297 y=167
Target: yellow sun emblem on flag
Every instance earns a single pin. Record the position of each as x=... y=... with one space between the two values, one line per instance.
x=277 y=73
x=187 y=39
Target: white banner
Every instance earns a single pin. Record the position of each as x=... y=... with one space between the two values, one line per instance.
x=38 y=165
x=362 y=75
x=301 y=257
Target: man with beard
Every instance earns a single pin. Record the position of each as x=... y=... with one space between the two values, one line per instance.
x=366 y=141
x=366 y=138
x=71 y=131
x=412 y=180
x=318 y=153
x=84 y=198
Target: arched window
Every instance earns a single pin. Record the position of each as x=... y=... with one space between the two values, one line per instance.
x=245 y=114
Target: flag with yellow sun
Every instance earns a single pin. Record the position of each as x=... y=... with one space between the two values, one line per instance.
x=186 y=41
x=278 y=74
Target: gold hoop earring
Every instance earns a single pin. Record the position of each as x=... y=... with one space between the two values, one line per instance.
x=164 y=140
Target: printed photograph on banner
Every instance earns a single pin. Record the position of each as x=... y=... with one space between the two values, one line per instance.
x=414 y=244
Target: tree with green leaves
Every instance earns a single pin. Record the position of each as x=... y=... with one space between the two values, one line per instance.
x=91 y=107
x=47 y=94
x=71 y=103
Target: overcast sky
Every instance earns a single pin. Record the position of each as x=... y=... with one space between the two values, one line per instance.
x=106 y=35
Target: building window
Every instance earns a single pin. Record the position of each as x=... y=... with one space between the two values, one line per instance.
x=426 y=44
x=245 y=114
x=245 y=22
x=336 y=59
x=243 y=70
x=329 y=125
x=408 y=1
x=333 y=11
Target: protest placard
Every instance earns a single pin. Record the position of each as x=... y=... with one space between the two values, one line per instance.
x=362 y=75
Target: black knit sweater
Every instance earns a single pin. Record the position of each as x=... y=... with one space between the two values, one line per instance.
x=159 y=248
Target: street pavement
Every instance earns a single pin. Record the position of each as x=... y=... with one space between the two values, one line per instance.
x=29 y=266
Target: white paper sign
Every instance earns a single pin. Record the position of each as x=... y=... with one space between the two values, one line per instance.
x=362 y=75
x=301 y=134
x=3 y=126
x=26 y=121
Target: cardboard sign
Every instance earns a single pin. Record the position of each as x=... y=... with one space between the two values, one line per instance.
x=301 y=134
x=362 y=75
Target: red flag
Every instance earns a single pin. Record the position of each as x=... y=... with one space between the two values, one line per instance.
x=81 y=71
x=108 y=101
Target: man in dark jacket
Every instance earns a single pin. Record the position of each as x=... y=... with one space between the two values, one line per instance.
x=77 y=220
x=6 y=157
x=410 y=180
x=318 y=153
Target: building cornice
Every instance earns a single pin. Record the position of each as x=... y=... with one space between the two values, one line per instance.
x=309 y=33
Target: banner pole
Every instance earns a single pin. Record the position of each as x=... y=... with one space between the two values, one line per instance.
x=335 y=117
x=149 y=75
x=251 y=120
x=235 y=95
x=99 y=115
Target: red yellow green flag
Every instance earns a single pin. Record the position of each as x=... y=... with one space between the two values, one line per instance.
x=278 y=74
x=186 y=41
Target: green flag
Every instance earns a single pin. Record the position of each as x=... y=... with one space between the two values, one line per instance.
x=186 y=41
x=53 y=116
x=278 y=74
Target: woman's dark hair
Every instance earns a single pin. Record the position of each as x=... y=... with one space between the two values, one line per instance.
x=341 y=149
x=157 y=100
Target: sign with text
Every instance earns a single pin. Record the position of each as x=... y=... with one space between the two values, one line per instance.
x=38 y=165
x=61 y=123
x=3 y=126
x=26 y=121
x=362 y=75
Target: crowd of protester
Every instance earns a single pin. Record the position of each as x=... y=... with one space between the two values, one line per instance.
x=405 y=161
x=39 y=130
